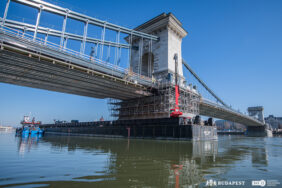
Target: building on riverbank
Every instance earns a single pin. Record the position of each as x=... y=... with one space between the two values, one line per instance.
x=6 y=128
x=274 y=122
x=229 y=125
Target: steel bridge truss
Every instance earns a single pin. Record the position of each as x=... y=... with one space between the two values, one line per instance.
x=65 y=36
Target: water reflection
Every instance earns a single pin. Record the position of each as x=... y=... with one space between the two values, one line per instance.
x=144 y=163
x=26 y=142
x=147 y=162
x=259 y=157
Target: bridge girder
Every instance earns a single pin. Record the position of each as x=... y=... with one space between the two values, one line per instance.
x=34 y=72
x=207 y=109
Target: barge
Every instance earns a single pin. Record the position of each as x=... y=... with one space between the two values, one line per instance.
x=160 y=128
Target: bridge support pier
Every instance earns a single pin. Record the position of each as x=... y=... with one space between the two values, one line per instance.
x=260 y=131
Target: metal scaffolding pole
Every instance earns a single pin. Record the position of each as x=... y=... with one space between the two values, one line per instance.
x=65 y=42
x=5 y=12
x=129 y=51
x=108 y=54
x=64 y=28
x=46 y=37
x=119 y=57
x=102 y=43
x=140 y=56
x=37 y=21
x=150 y=59
x=96 y=50
x=117 y=49
x=24 y=31
x=82 y=48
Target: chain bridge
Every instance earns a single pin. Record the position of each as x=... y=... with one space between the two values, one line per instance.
x=135 y=68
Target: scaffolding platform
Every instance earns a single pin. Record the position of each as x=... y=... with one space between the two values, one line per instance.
x=158 y=105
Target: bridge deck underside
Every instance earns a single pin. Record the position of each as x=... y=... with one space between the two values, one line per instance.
x=37 y=71
x=209 y=110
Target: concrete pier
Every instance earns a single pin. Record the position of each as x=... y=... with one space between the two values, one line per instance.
x=258 y=131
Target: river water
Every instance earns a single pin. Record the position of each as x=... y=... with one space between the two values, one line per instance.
x=75 y=161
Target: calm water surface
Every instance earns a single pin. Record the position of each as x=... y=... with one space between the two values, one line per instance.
x=73 y=161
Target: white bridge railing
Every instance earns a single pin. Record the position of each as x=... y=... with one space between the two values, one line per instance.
x=29 y=40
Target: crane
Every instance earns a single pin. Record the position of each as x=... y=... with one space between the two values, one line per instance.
x=175 y=112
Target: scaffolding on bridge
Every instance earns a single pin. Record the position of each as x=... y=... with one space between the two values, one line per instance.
x=158 y=105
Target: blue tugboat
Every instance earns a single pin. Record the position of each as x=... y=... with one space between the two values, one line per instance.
x=29 y=128
x=25 y=132
x=33 y=131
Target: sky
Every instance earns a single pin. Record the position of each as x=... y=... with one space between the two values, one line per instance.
x=235 y=46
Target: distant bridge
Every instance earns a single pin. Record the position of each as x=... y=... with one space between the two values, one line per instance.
x=28 y=60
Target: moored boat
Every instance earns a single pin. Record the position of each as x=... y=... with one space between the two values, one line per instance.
x=25 y=132
x=29 y=127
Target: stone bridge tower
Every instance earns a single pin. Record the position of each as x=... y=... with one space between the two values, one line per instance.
x=256 y=112
x=155 y=58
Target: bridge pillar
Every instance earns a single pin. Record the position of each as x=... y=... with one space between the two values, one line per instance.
x=258 y=131
x=256 y=112
x=155 y=58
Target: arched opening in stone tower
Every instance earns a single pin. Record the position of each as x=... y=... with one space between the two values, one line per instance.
x=147 y=64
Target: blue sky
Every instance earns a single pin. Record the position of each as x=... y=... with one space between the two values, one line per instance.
x=235 y=46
